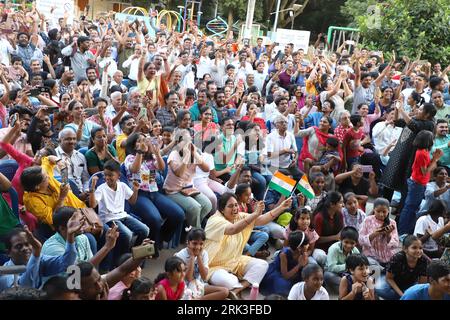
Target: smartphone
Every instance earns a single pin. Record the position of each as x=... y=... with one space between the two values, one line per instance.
x=64 y=176
x=367 y=169
x=14 y=118
x=52 y=109
x=143 y=251
x=142 y=113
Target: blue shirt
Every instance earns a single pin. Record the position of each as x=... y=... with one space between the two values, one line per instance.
x=419 y=292
x=313 y=120
x=39 y=267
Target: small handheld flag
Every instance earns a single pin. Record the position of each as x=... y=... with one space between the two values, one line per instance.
x=282 y=184
x=304 y=187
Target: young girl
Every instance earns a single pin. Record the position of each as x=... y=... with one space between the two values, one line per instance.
x=420 y=176
x=118 y=290
x=328 y=221
x=357 y=284
x=141 y=289
x=196 y=260
x=301 y=221
x=318 y=184
x=429 y=223
x=353 y=216
x=170 y=285
x=378 y=234
x=405 y=269
x=284 y=271
x=311 y=288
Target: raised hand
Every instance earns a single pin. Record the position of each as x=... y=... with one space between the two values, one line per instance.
x=111 y=236
x=35 y=244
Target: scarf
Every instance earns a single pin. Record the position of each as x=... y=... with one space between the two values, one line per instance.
x=322 y=137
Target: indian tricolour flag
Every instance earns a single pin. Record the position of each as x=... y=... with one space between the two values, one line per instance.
x=281 y=183
x=304 y=187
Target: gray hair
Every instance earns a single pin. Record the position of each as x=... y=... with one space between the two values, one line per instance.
x=63 y=132
x=280 y=118
x=115 y=94
x=344 y=112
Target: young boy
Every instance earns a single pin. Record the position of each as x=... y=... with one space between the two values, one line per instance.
x=357 y=283
x=110 y=198
x=329 y=161
x=337 y=254
x=196 y=260
x=438 y=289
x=168 y=142
x=353 y=141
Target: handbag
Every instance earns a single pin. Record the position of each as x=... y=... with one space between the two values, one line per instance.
x=92 y=223
x=190 y=192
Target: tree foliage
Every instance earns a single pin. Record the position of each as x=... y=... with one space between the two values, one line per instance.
x=410 y=27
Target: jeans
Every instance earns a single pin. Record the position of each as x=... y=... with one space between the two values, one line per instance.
x=385 y=291
x=128 y=227
x=258 y=238
x=163 y=216
x=196 y=208
x=292 y=171
x=415 y=195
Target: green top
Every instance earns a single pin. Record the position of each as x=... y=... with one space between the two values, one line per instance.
x=442 y=143
x=336 y=258
x=227 y=144
x=56 y=246
x=443 y=113
x=8 y=220
x=93 y=160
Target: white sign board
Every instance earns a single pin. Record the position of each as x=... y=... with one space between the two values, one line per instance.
x=44 y=6
x=299 y=38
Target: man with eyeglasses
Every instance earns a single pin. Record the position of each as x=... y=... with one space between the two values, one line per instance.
x=74 y=160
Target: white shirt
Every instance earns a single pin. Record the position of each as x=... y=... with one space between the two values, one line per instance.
x=422 y=224
x=297 y=293
x=290 y=117
x=184 y=255
x=407 y=92
x=259 y=80
x=203 y=67
x=77 y=168
x=218 y=72
x=242 y=72
x=111 y=113
x=5 y=50
x=268 y=110
x=187 y=76
x=383 y=135
x=133 y=64
x=111 y=204
x=275 y=143
x=200 y=175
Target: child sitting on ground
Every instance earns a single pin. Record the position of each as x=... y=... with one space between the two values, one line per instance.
x=378 y=235
x=170 y=284
x=405 y=269
x=357 y=284
x=318 y=185
x=330 y=159
x=301 y=221
x=196 y=260
x=429 y=223
x=141 y=289
x=353 y=215
x=311 y=288
x=337 y=254
x=285 y=270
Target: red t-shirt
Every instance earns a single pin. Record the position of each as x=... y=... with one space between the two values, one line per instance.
x=352 y=141
x=422 y=159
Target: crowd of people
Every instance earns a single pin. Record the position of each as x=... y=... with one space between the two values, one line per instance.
x=119 y=140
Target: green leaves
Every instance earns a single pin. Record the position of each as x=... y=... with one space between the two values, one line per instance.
x=406 y=26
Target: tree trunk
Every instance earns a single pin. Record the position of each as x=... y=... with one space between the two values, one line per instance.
x=285 y=19
x=230 y=22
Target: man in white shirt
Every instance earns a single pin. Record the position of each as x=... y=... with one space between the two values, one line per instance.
x=282 y=104
x=6 y=49
x=385 y=135
x=94 y=83
x=242 y=66
x=115 y=111
x=187 y=75
x=282 y=149
x=74 y=161
x=117 y=81
x=420 y=82
x=133 y=63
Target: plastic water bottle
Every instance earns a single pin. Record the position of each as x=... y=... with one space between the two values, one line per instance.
x=254 y=292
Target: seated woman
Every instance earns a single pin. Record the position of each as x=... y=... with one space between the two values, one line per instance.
x=227 y=232
x=152 y=206
x=206 y=126
x=182 y=162
x=44 y=195
x=286 y=269
x=260 y=234
x=206 y=181
x=99 y=151
x=79 y=124
x=252 y=110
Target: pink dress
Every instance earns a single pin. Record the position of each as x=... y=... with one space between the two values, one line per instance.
x=382 y=247
x=170 y=294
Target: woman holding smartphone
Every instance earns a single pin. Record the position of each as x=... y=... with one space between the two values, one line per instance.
x=162 y=215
